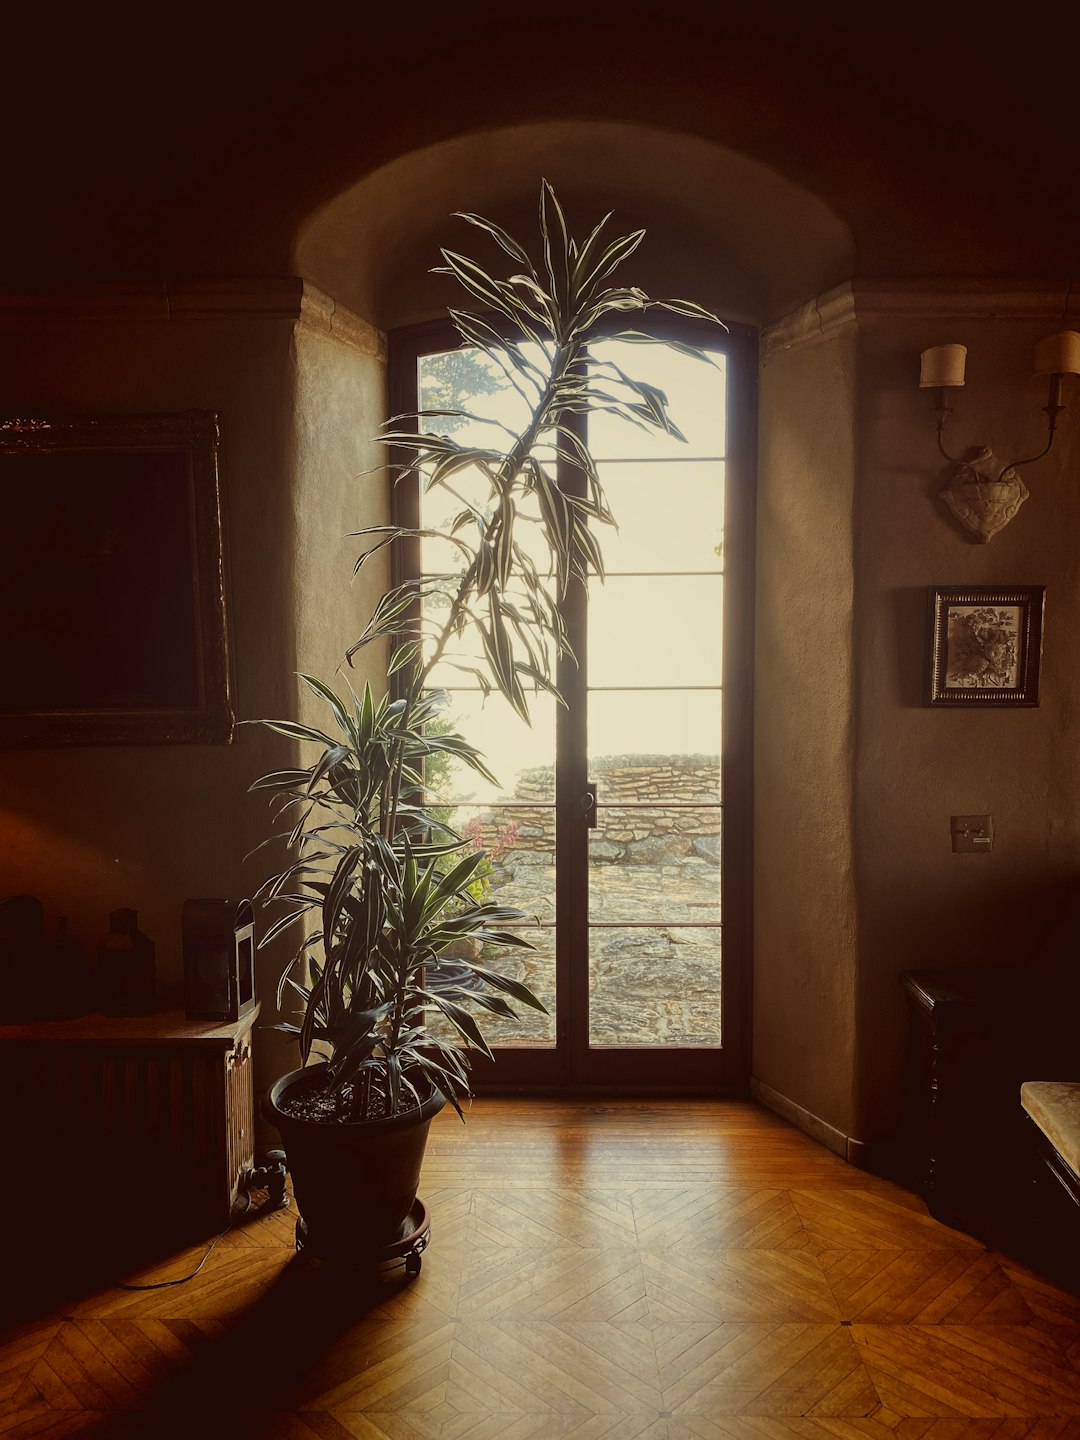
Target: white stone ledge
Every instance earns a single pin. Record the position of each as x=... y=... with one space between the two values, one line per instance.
x=1054 y=1105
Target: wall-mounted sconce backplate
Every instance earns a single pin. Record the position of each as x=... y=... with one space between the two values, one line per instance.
x=983 y=498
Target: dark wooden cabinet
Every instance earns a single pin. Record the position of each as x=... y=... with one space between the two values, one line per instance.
x=976 y=1034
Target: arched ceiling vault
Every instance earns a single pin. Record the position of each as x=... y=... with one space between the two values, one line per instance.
x=346 y=136
x=721 y=228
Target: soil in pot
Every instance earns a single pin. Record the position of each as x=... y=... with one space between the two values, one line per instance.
x=309 y=1099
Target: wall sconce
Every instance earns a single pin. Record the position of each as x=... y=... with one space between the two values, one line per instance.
x=981 y=496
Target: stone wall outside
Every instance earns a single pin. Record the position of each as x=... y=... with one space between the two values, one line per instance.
x=647 y=985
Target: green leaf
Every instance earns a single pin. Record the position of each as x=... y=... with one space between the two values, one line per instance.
x=494 y=1003
x=584 y=258
x=325 y=693
x=692 y=352
x=511 y=246
x=404 y=656
x=618 y=251
x=507 y=242
x=296 y=731
x=462 y=1021
x=456 y=879
x=479 y=284
x=283 y=923
x=556 y=245
x=504 y=982
x=338 y=888
x=280 y=780
x=688 y=308
x=445 y=1082
x=498 y=649
x=486 y=338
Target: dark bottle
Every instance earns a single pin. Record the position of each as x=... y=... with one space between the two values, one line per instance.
x=66 y=978
x=125 y=967
x=22 y=946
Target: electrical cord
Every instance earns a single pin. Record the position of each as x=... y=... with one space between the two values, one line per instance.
x=276 y=1200
x=165 y=1284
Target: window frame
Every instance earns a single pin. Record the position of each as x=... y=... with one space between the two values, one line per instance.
x=722 y=1069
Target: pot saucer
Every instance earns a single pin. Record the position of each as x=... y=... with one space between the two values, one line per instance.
x=407 y=1248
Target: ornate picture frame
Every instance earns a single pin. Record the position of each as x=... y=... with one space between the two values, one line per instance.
x=984 y=644
x=114 y=581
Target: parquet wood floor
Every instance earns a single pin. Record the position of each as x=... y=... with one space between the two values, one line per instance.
x=598 y=1271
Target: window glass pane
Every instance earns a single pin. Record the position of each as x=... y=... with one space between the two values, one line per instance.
x=443 y=505
x=654 y=863
x=669 y=740
x=520 y=844
x=438 y=510
x=696 y=392
x=670 y=516
x=654 y=858
x=656 y=630
x=445 y=559
x=522 y=757
x=656 y=986
x=535 y=968
x=468 y=380
x=519 y=870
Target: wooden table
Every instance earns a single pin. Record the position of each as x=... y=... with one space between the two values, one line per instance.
x=143 y=1121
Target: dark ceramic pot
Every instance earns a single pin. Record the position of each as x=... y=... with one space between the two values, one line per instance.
x=355 y=1182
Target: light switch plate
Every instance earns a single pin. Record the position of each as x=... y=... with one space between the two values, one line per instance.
x=972 y=834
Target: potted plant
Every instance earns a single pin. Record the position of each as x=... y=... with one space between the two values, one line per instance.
x=379 y=884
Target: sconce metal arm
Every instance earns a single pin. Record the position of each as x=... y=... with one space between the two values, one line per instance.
x=942 y=412
x=1052 y=409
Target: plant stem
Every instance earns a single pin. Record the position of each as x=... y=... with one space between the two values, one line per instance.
x=562 y=359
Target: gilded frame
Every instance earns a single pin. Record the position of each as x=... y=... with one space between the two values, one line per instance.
x=114 y=582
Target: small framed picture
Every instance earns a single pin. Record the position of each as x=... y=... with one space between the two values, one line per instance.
x=985 y=644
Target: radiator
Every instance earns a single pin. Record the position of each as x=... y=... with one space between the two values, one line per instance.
x=144 y=1115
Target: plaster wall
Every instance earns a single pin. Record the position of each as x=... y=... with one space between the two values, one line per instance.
x=919 y=905
x=338 y=368
x=804 y=902
x=90 y=828
x=339 y=488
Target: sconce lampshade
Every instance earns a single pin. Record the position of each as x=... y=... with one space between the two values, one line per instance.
x=1058 y=354
x=943 y=365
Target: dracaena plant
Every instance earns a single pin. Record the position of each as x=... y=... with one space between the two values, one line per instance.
x=379 y=882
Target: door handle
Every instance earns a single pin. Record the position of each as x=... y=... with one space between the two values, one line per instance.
x=588 y=807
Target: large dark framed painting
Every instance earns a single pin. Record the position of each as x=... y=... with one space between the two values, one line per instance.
x=113 y=581
x=985 y=645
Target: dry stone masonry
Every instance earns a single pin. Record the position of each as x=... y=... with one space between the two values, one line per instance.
x=650 y=983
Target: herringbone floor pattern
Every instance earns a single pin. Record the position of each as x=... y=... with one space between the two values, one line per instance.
x=677 y=1271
